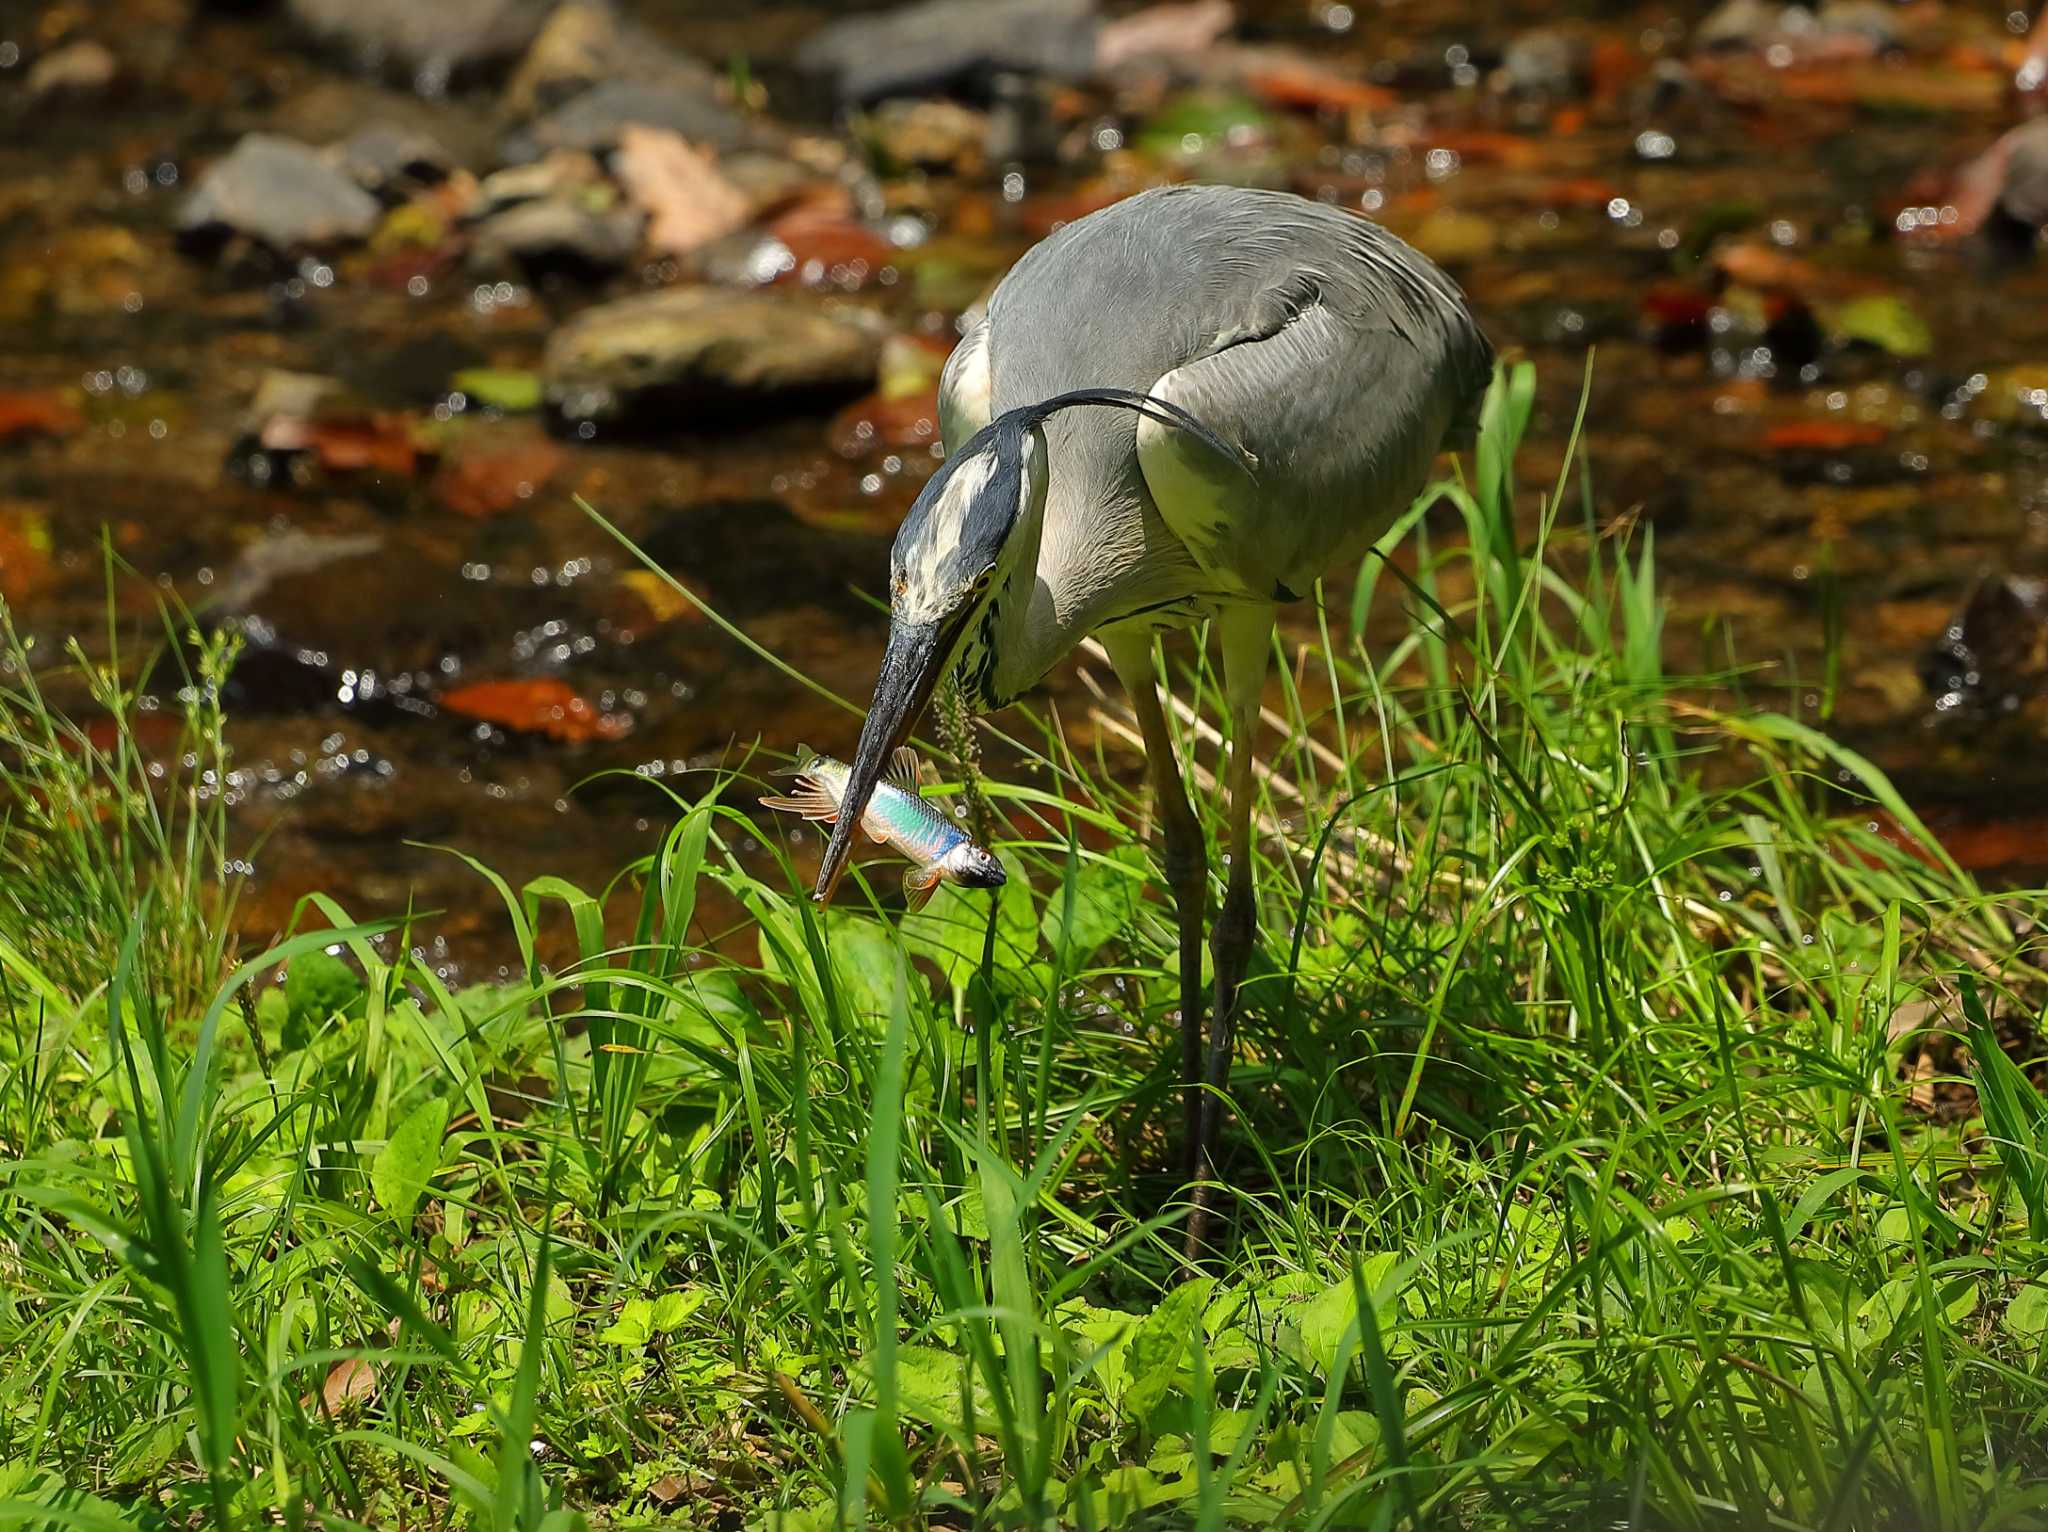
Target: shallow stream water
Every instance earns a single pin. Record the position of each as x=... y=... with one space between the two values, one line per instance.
x=1835 y=425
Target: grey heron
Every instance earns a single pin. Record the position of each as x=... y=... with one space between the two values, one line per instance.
x=1189 y=405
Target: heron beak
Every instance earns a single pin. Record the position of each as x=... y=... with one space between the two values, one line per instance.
x=911 y=666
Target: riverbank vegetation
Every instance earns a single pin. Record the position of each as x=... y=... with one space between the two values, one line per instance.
x=1637 y=1120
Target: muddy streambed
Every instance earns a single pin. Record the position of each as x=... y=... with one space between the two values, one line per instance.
x=345 y=397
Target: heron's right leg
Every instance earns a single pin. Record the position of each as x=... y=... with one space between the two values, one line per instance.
x=1187 y=870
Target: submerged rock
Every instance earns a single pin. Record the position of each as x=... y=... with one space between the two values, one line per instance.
x=1737 y=24
x=552 y=236
x=937 y=134
x=277 y=191
x=1993 y=656
x=429 y=41
x=695 y=356
x=941 y=44
x=592 y=121
x=392 y=162
x=2024 y=197
x=586 y=43
x=1543 y=62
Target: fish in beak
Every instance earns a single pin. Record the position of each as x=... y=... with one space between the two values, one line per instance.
x=916 y=656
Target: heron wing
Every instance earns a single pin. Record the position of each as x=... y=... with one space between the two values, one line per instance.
x=1336 y=354
x=966 y=388
x=1343 y=407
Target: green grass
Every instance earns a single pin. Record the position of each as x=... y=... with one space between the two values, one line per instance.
x=1573 y=1168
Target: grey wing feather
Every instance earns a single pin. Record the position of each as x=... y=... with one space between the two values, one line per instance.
x=965 y=405
x=1341 y=359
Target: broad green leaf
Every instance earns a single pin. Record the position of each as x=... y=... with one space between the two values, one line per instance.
x=405 y=1166
x=2026 y=1318
x=865 y=963
x=1885 y=321
x=633 y=1328
x=511 y=389
x=928 y=1380
x=1322 y=1321
x=1153 y=1356
x=671 y=1309
x=1106 y=897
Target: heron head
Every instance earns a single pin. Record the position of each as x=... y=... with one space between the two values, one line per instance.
x=952 y=554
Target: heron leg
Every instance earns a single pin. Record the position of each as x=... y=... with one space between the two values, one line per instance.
x=1246 y=639
x=1187 y=869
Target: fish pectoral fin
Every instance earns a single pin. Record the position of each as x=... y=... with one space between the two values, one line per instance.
x=918 y=884
x=876 y=833
x=810 y=801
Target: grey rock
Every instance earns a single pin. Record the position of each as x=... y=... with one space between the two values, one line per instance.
x=1870 y=19
x=2024 y=198
x=1543 y=62
x=280 y=555
x=552 y=235
x=278 y=191
x=390 y=161
x=1738 y=24
x=430 y=42
x=591 y=121
x=698 y=354
x=586 y=43
x=941 y=43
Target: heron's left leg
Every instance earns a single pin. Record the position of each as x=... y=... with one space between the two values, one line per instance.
x=1245 y=637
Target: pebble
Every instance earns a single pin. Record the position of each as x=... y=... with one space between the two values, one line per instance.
x=939 y=44
x=392 y=162
x=585 y=43
x=278 y=191
x=535 y=238
x=591 y=122
x=430 y=42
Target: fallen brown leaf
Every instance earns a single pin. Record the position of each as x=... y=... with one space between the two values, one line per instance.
x=688 y=202
x=483 y=482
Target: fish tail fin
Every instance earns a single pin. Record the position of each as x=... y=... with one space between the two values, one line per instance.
x=918 y=884
x=805 y=758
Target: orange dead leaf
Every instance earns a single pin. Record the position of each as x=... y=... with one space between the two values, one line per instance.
x=1822 y=436
x=1763 y=267
x=25 y=547
x=25 y=413
x=379 y=443
x=1299 y=85
x=823 y=243
x=484 y=482
x=538 y=706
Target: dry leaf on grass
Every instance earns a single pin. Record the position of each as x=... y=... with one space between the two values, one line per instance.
x=349 y=1381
